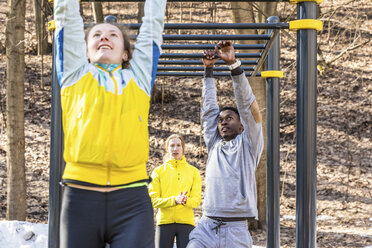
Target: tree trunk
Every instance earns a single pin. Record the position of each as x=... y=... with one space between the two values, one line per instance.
x=41 y=33
x=247 y=12
x=97 y=12
x=141 y=11
x=16 y=186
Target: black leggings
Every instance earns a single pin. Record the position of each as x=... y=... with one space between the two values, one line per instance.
x=122 y=218
x=165 y=234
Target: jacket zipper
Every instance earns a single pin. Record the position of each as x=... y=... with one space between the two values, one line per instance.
x=112 y=127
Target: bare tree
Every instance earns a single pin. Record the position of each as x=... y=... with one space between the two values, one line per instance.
x=97 y=12
x=249 y=12
x=16 y=187
x=41 y=34
x=141 y=12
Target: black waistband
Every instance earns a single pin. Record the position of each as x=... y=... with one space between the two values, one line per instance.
x=230 y=219
x=67 y=181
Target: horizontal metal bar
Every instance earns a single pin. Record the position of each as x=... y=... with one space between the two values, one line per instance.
x=213 y=37
x=200 y=55
x=210 y=46
x=125 y=1
x=219 y=26
x=217 y=37
x=198 y=68
x=199 y=62
x=200 y=74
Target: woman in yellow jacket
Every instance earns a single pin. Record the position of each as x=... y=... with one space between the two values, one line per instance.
x=175 y=190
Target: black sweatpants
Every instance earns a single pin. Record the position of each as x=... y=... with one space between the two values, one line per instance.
x=165 y=234
x=122 y=218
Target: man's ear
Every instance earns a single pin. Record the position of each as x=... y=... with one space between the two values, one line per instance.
x=241 y=129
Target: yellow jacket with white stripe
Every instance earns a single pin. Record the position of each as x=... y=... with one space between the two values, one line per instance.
x=105 y=108
x=168 y=181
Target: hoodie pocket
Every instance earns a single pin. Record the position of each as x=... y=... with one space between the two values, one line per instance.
x=224 y=194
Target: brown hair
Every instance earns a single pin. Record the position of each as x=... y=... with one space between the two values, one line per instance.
x=124 y=32
x=173 y=136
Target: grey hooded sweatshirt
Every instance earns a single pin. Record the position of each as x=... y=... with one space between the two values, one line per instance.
x=230 y=174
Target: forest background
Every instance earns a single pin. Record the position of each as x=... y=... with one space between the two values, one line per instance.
x=344 y=116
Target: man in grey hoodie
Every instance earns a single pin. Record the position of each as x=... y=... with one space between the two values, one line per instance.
x=234 y=140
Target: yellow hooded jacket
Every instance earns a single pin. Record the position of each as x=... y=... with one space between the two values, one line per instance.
x=168 y=181
x=105 y=107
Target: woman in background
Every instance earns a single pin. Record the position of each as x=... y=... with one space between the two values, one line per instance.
x=175 y=190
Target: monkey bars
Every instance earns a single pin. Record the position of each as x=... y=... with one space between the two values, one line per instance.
x=182 y=70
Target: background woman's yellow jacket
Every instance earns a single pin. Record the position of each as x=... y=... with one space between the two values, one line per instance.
x=168 y=181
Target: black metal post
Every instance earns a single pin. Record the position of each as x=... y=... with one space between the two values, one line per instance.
x=273 y=141
x=306 y=129
x=56 y=162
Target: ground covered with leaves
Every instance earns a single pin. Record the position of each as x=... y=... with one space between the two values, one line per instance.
x=344 y=118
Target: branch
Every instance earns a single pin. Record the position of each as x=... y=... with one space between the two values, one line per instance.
x=286 y=33
x=342 y=25
x=335 y=10
x=259 y=10
x=347 y=50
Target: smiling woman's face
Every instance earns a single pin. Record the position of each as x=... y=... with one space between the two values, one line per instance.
x=175 y=150
x=105 y=45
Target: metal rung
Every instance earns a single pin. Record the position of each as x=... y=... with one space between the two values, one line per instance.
x=200 y=74
x=202 y=1
x=210 y=46
x=213 y=37
x=197 y=68
x=217 y=37
x=200 y=55
x=219 y=26
x=199 y=62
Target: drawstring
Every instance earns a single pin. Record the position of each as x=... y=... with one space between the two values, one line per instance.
x=219 y=223
x=103 y=77
x=122 y=77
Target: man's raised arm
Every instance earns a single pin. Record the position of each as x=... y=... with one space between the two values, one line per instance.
x=210 y=109
x=246 y=103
